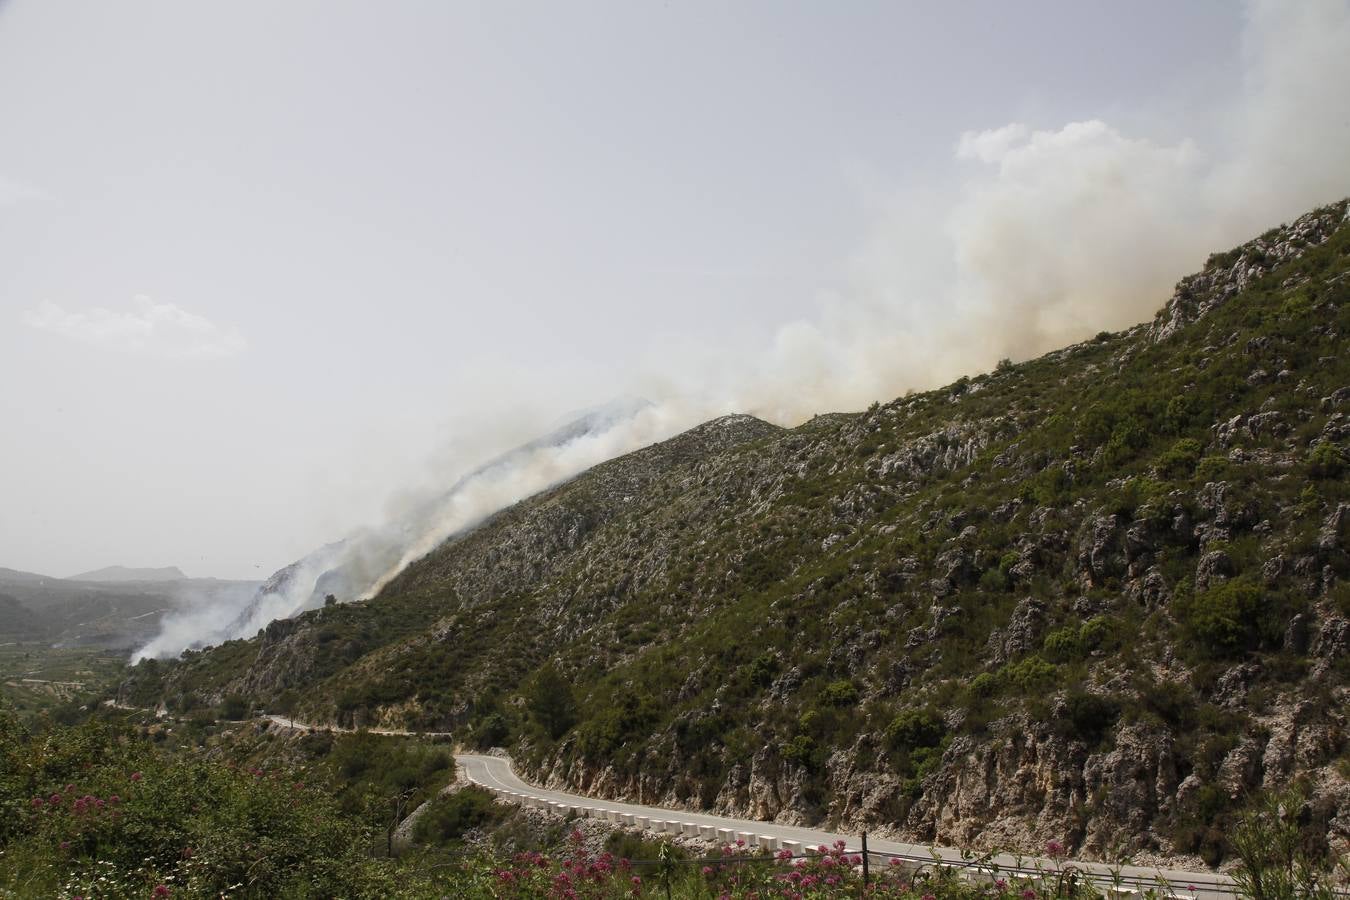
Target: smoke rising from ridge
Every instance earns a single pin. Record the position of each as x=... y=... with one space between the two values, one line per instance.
x=1048 y=236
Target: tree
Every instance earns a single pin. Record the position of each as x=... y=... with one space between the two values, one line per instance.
x=551 y=702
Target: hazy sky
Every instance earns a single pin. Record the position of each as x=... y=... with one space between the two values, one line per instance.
x=261 y=264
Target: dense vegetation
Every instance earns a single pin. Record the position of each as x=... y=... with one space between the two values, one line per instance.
x=1101 y=594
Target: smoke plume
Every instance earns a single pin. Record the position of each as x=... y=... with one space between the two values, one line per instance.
x=1048 y=236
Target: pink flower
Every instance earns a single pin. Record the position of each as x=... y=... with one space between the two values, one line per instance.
x=1054 y=848
x=929 y=897
x=1000 y=884
x=64 y=845
x=54 y=799
x=70 y=789
x=114 y=799
x=36 y=803
x=135 y=776
x=160 y=890
x=740 y=843
x=1028 y=894
x=707 y=870
x=895 y=862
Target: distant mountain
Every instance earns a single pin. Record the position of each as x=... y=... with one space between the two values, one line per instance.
x=119 y=574
x=119 y=613
x=17 y=620
x=15 y=575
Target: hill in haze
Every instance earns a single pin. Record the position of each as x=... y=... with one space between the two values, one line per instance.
x=123 y=573
x=1098 y=597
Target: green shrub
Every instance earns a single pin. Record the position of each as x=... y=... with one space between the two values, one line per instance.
x=800 y=750
x=1030 y=674
x=914 y=728
x=1099 y=632
x=451 y=815
x=994 y=580
x=1325 y=460
x=983 y=685
x=1224 y=619
x=1088 y=717
x=840 y=693
x=1181 y=458
x=1063 y=644
x=1213 y=468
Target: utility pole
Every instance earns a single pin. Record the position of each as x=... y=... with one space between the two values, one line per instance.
x=867 y=871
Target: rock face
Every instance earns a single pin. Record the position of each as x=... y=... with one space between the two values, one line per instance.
x=1098 y=597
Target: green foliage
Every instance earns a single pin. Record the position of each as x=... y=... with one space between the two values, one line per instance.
x=763 y=669
x=1088 y=717
x=234 y=708
x=1213 y=468
x=550 y=700
x=1227 y=618
x=840 y=693
x=93 y=810
x=1278 y=859
x=1030 y=674
x=1325 y=460
x=800 y=750
x=914 y=728
x=449 y=816
x=994 y=580
x=1064 y=645
x=1181 y=458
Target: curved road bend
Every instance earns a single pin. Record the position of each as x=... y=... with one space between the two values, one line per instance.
x=495 y=774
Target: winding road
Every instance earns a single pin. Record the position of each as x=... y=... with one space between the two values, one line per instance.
x=496 y=775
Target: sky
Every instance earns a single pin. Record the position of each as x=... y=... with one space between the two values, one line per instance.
x=270 y=270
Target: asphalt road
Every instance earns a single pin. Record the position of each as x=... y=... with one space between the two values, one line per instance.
x=495 y=774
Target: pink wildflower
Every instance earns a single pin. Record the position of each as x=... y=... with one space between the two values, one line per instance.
x=54 y=799
x=36 y=803
x=64 y=845
x=1028 y=894
x=1054 y=848
x=160 y=890
x=135 y=776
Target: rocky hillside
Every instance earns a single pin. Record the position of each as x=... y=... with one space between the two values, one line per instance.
x=1097 y=597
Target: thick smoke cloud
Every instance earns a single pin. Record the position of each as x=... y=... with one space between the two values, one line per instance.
x=1049 y=235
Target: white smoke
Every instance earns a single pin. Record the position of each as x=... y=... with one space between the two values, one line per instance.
x=1050 y=235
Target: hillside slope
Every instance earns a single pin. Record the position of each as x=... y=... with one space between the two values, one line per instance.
x=1097 y=597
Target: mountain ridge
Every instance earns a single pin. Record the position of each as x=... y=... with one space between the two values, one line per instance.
x=1097 y=597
